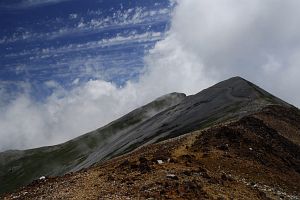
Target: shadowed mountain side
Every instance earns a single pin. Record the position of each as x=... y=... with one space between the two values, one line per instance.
x=167 y=117
x=249 y=158
x=18 y=168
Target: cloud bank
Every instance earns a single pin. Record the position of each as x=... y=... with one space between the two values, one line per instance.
x=258 y=40
x=208 y=41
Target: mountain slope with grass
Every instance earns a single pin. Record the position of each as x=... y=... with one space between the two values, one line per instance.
x=19 y=168
x=254 y=157
x=167 y=117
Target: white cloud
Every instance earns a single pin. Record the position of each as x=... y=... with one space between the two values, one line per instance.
x=66 y=27
x=73 y=16
x=24 y=4
x=258 y=40
x=52 y=84
x=207 y=42
x=67 y=114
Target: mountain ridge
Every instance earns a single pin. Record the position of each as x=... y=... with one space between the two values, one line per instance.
x=179 y=114
x=248 y=158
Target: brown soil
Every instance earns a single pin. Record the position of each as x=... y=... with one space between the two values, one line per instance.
x=256 y=157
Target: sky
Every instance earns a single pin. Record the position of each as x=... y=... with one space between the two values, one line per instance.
x=70 y=66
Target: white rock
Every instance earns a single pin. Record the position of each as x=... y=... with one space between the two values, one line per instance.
x=160 y=162
x=250 y=149
x=42 y=178
x=171 y=175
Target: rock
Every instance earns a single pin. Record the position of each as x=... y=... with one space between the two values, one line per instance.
x=188 y=158
x=134 y=166
x=224 y=177
x=262 y=195
x=205 y=175
x=110 y=178
x=143 y=160
x=187 y=173
x=130 y=183
x=172 y=160
x=124 y=164
x=172 y=176
x=205 y=155
x=223 y=147
x=164 y=158
x=144 y=167
x=160 y=162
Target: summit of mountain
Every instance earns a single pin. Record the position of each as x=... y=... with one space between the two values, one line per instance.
x=167 y=117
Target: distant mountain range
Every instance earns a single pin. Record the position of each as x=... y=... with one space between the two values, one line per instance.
x=234 y=102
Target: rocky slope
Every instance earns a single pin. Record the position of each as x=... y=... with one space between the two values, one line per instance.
x=167 y=117
x=19 y=168
x=255 y=157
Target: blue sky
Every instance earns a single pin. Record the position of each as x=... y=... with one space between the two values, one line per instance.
x=72 y=41
x=70 y=66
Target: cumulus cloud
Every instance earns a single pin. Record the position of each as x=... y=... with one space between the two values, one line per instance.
x=67 y=114
x=258 y=40
x=208 y=41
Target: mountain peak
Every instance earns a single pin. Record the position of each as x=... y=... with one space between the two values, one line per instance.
x=233 y=81
x=235 y=78
x=166 y=117
x=244 y=90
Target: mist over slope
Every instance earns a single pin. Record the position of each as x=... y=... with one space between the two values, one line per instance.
x=258 y=40
x=169 y=116
x=253 y=156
